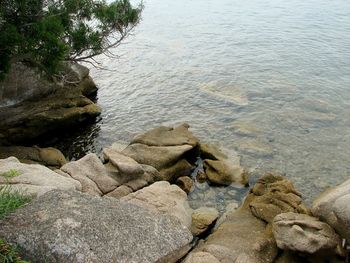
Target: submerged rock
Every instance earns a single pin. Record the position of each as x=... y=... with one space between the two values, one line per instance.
x=223 y=173
x=33 y=179
x=255 y=148
x=305 y=234
x=71 y=227
x=162 y=197
x=167 y=136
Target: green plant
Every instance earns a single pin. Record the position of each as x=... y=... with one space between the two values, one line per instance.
x=10 y=174
x=9 y=254
x=11 y=200
x=44 y=33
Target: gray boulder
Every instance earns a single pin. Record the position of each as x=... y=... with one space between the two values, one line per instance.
x=305 y=234
x=333 y=207
x=33 y=179
x=72 y=227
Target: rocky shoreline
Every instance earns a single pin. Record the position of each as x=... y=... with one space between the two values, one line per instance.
x=133 y=206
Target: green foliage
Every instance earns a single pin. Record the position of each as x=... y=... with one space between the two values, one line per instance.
x=8 y=254
x=46 y=32
x=11 y=200
x=10 y=174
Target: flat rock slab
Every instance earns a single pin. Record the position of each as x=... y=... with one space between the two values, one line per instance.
x=73 y=227
x=158 y=157
x=167 y=136
x=33 y=179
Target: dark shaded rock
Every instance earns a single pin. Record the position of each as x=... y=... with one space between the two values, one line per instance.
x=74 y=227
x=185 y=183
x=45 y=156
x=34 y=106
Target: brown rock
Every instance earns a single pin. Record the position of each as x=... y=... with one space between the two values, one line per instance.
x=202 y=218
x=167 y=136
x=222 y=173
x=185 y=183
x=120 y=192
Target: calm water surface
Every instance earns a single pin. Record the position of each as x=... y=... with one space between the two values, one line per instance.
x=269 y=79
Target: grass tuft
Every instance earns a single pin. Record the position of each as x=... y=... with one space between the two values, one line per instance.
x=11 y=200
x=10 y=174
x=8 y=254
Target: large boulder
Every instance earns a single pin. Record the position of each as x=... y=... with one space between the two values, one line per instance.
x=72 y=227
x=33 y=179
x=332 y=206
x=305 y=234
x=162 y=197
x=91 y=173
x=31 y=105
x=167 y=136
x=46 y=156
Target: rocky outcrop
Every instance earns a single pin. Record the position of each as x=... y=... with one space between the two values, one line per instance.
x=245 y=235
x=162 y=197
x=305 y=234
x=33 y=179
x=273 y=195
x=332 y=206
x=71 y=227
x=50 y=157
x=202 y=218
x=33 y=106
x=92 y=175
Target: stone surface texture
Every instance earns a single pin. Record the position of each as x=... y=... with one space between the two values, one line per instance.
x=33 y=179
x=305 y=234
x=167 y=136
x=72 y=227
x=202 y=218
x=333 y=207
x=162 y=197
x=93 y=176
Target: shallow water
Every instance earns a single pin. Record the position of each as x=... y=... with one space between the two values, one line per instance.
x=270 y=79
